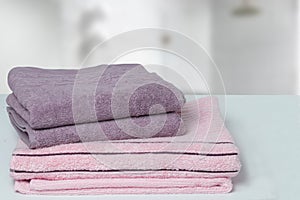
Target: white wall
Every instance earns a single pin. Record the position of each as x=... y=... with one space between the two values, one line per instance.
x=190 y=18
x=29 y=35
x=51 y=34
x=256 y=53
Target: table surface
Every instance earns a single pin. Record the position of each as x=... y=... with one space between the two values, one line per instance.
x=266 y=130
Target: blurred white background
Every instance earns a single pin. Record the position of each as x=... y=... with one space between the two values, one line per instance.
x=253 y=42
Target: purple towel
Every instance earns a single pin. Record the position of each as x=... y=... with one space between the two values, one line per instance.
x=53 y=98
x=162 y=125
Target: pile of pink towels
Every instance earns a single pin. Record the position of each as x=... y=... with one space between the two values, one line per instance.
x=203 y=160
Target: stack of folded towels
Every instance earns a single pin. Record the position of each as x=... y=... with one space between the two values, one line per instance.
x=115 y=129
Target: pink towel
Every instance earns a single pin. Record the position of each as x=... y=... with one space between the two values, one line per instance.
x=202 y=161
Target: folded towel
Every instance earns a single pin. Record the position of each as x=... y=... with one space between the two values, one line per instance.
x=52 y=98
x=202 y=161
x=126 y=186
x=162 y=125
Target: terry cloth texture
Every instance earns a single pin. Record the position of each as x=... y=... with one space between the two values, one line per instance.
x=162 y=125
x=201 y=161
x=51 y=98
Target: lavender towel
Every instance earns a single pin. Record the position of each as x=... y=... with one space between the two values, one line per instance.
x=53 y=98
x=98 y=131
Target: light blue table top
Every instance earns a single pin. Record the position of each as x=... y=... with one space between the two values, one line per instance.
x=265 y=128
